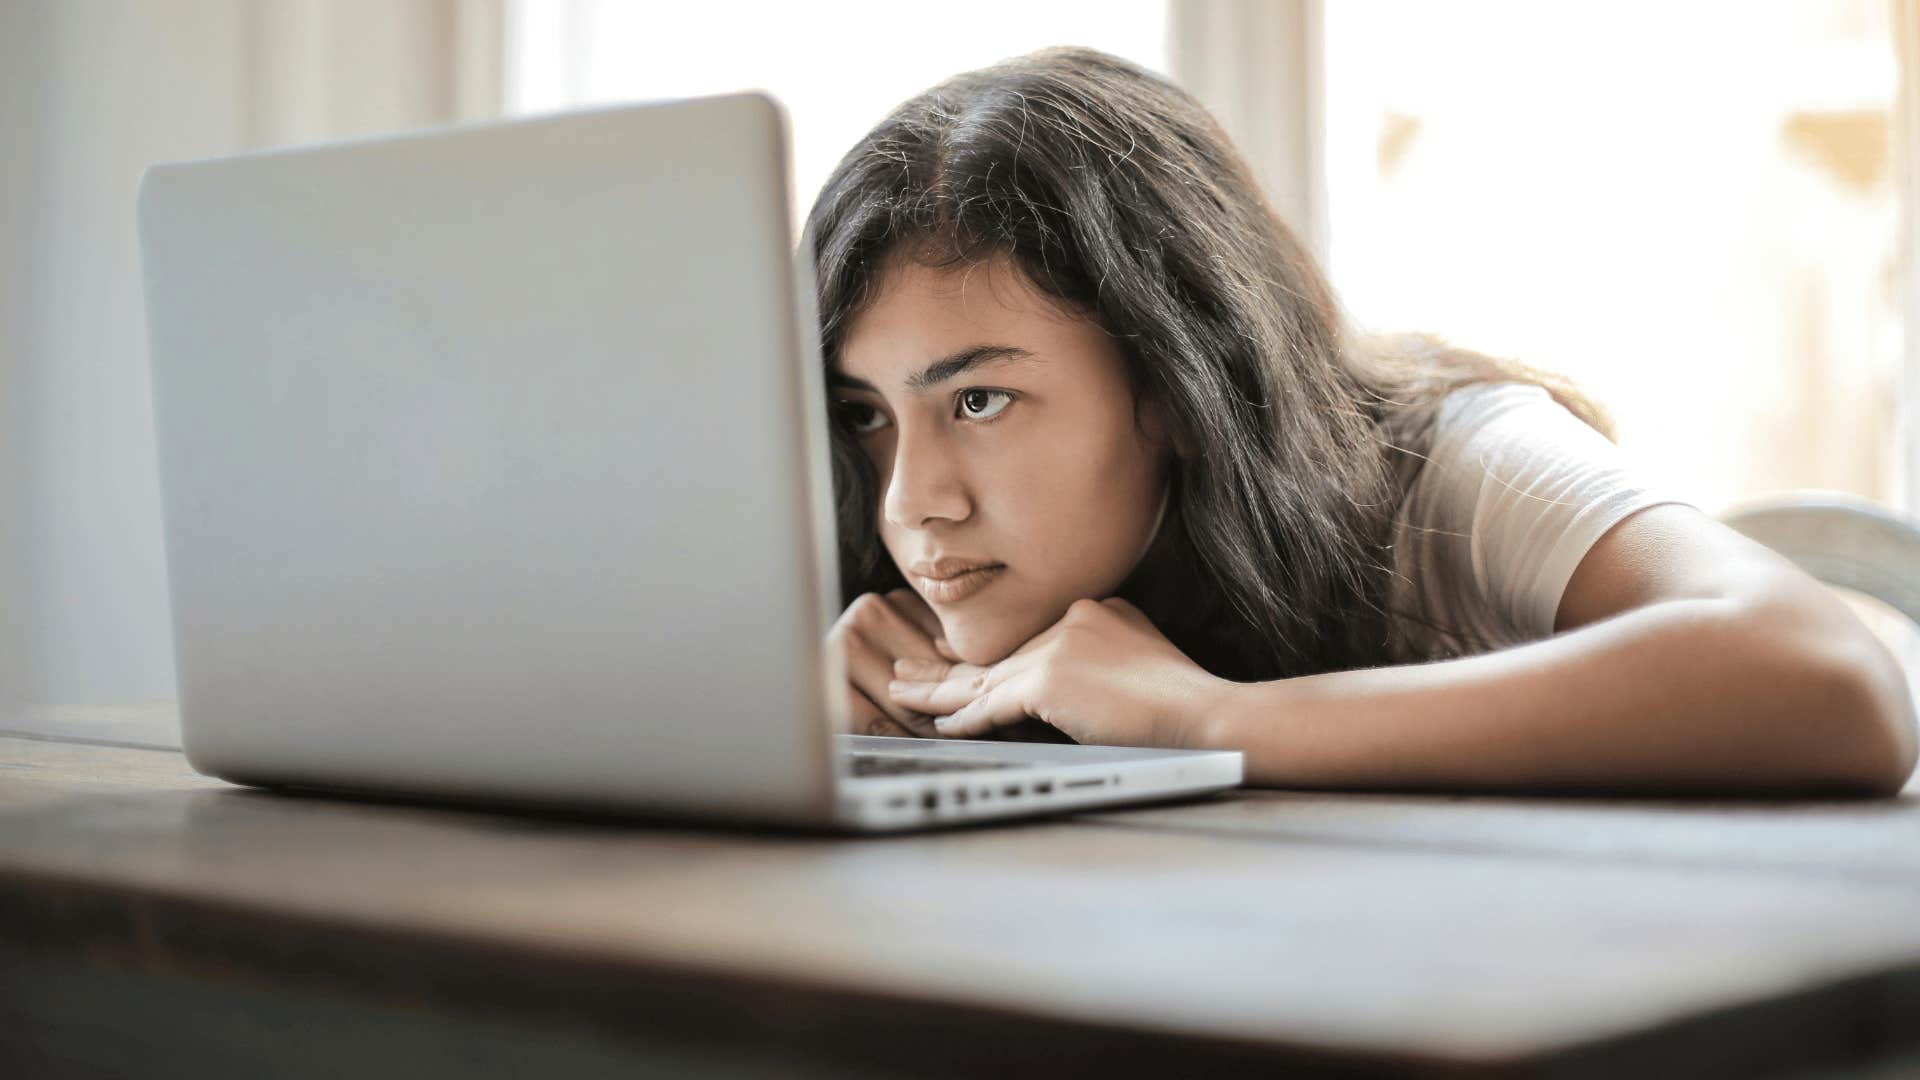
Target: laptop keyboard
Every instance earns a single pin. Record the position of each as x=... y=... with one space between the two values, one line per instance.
x=898 y=764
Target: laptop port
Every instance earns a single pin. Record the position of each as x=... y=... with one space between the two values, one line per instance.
x=1093 y=781
x=960 y=796
x=1011 y=791
x=930 y=800
x=896 y=802
x=1044 y=787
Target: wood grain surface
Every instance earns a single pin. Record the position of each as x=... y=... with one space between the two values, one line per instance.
x=1446 y=932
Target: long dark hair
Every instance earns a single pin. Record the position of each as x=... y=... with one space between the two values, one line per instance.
x=1117 y=194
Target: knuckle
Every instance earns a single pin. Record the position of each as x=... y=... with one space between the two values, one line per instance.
x=1084 y=607
x=878 y=610
x=873 y=617
x=853 y=647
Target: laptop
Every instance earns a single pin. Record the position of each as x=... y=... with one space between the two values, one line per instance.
x=494 y=469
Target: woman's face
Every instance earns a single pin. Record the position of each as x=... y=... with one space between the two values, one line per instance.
x=1003 y=434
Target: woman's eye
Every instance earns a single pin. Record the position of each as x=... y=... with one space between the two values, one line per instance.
x=975 y=403
x=861 y=419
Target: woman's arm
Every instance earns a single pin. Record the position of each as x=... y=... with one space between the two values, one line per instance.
x=1685 y=657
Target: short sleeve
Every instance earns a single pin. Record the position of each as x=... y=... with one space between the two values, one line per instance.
x=1514 y=493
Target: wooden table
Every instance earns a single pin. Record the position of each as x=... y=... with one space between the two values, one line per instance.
x=156 y=922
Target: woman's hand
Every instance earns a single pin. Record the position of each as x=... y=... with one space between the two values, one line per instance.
x=1103 y=674
x=871 y=634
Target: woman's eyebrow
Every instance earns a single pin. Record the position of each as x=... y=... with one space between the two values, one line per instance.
x=943 y=369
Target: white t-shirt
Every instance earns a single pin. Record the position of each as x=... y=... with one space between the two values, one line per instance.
x=1514 y=492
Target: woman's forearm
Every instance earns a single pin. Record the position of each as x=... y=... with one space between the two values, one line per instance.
x=1680 y=695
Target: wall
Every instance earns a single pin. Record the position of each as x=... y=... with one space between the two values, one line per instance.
x=94 y=91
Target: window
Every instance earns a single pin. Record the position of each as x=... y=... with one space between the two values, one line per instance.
x=838 y=68
x=1688 y=208
x=1693 y=210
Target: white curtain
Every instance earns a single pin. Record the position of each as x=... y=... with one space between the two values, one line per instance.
x=1906 y=144
x=1256 y=64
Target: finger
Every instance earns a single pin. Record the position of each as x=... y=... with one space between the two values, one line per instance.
x=935 y=686
x=914 y=608
x=871 y=649
x=1002 y=706
x=865 y=718
x=870 y=670
x=893 y=632
x=945 y=648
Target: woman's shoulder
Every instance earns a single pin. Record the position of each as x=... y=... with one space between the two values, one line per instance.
x=1513 y=492
x=1499 y=411
x=1477 y=403
x=1482 y=423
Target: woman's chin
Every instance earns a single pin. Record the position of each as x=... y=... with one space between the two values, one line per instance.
x=982 y=646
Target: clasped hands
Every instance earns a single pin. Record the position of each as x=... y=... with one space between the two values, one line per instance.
x=1102 y=675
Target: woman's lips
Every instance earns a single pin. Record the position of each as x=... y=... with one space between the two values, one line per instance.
x=957 y=588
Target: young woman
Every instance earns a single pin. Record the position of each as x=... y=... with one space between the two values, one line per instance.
x=1112 y=465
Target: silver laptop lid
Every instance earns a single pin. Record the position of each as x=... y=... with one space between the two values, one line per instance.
x=493 y=462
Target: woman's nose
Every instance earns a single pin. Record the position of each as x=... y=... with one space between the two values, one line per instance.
x=926 y=483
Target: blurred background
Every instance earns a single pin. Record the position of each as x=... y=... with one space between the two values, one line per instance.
x=1701 y=212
